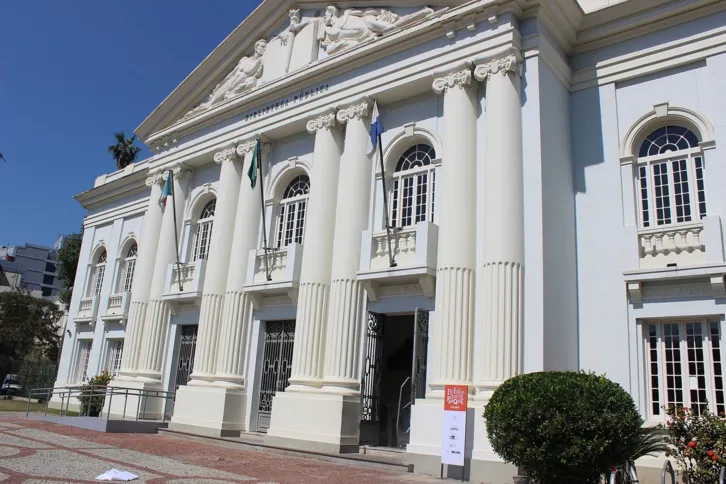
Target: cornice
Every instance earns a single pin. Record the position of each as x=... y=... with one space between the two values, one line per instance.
x=114 y=188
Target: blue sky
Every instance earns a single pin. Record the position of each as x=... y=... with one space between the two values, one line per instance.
x=72 y=73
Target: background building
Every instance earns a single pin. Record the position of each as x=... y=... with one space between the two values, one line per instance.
x=36 y=264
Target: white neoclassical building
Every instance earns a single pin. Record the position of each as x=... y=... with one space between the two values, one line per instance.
x=549 y=197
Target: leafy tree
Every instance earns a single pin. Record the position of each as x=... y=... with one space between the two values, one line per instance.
x=67 y=265
x=27 y=324
x=124 y=151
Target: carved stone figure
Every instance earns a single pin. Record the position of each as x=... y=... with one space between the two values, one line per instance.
x=356 y=26
x=242 y=78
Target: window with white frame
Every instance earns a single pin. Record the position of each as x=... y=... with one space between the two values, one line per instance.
x=99 y=269
x=203 y=233
x=683 y=366
x=670 y=178
x=414 y=180
x=127 y=271
x=113 y=356
x=84 y=353
x=291 y=212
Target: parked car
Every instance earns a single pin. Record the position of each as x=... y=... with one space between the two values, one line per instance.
x=11 y=385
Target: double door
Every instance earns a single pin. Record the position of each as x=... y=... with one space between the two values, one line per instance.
x=276 y=366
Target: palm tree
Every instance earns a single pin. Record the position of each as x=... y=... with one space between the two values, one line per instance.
x=124 y=151
x=2 y=157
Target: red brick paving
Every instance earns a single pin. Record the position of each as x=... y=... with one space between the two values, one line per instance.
x=265 y=466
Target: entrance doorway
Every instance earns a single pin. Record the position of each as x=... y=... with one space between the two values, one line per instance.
x=187 y=350
x=394 y=375
x=276 y=366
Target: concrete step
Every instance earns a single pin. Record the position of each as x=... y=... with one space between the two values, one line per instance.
x=255 y=441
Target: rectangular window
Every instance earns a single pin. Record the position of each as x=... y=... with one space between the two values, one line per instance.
x=643 y=182
x=113 y=356
x=684 y=367
x=662 y=193
x=48 y=280
x=681 y=191
x=49 y=267
x=700 y=188
x=128 y=277
x=84 y=353
x=98 y=283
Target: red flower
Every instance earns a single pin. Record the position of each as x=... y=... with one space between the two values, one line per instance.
x=691 y=444
x=710 y=453
x=715 y=457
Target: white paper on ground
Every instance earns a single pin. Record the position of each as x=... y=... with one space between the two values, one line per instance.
x=116 y=475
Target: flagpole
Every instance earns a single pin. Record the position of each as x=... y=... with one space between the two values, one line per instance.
x=258 y=160
x=391 y=258
x=176 y=230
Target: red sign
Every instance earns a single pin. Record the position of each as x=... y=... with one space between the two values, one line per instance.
x=455 y=397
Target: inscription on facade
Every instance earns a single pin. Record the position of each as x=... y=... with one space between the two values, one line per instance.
x=290 y=100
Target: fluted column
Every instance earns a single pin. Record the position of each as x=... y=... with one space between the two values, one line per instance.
x=215 y=279
x=500 y=326
x=157 y=314
x=347 y=300
x=312 y=309
x=452 y=336
x=141 y=285
x=230 y=366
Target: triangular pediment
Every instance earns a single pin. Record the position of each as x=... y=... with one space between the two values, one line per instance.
x=276 y=40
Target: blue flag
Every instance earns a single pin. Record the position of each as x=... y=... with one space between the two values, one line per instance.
x=376 y=129
x=165 y=192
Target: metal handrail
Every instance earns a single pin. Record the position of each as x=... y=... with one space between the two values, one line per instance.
x=101 y=391
x=668 y=468
x=628 y=471
x=398 y=412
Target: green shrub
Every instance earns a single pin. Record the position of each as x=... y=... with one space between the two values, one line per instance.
x=563 y=427
x=697 y=442
x=93 y=394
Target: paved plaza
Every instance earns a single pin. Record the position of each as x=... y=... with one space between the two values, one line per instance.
x=36 y=452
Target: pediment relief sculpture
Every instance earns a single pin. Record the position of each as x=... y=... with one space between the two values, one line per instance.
x=356 y=26
x=298 y=45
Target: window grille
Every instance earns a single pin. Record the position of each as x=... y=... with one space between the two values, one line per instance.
x=670 y=178
x=203 y=235
x=414 y=180
x=683 y=365
x=291 y=213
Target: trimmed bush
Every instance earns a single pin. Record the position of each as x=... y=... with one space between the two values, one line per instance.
x=563 y=427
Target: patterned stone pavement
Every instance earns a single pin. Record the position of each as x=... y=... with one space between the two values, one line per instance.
x=35 y=452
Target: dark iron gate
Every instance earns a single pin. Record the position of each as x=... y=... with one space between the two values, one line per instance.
x=187 y=348
x=420 y=354
x=371 y=380
x=276 y=367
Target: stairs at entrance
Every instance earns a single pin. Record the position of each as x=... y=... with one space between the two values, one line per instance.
x=369 y=456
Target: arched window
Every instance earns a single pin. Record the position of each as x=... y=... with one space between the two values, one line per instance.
x=99 y=269
x=127 y=271
x=291 y=215
x=414 y=180
x=203 y=234
x=669 y=177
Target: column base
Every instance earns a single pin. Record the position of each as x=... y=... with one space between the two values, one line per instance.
x=315 y=421
x=210 y=410
x=150 y=407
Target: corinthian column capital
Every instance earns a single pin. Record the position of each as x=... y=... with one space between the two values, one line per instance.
x=244 y=147
x=154 y=179
x=457 y=77
x=357 y=109
x=486 y=68
x=226 y=154
x=324 y=121
x=182 y=172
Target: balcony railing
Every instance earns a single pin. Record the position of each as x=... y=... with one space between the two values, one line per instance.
x=118 y=306
x=185 y=281
x=414 y=251
x=87 y=309
x=279 y=275
x=682 y=244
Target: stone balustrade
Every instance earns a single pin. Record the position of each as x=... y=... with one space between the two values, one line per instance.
x=87 y=309
x=118 y=306
x=682 y=244
x=185 y=282
x=283 y=266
